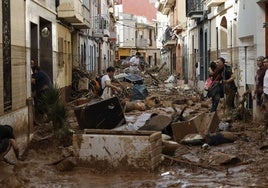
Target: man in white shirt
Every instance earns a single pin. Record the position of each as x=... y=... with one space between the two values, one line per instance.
x=135 y=63
x=106 y=84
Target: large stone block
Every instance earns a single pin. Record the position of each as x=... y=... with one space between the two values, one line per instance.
x=118 y=149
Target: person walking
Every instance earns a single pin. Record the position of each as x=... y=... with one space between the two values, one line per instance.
x=216 y=89
x=223 y=83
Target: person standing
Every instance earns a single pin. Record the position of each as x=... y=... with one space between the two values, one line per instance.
x=258 y=91
x=107 y=86
x=223 y=78
x=230 y=88
x=216 y=92
x=135 y=63
x=41 y=83
x=7 y=141
x=41 y=80
x=265 y=83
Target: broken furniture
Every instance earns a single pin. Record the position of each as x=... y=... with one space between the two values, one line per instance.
x=103 y=114
x=202 y=124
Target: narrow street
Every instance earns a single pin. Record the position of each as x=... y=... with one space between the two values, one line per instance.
x=142 y=94
x=49 y=162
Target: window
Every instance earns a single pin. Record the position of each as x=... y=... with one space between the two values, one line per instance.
x=6 y=37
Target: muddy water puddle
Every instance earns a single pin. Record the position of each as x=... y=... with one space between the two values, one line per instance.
x=40 y=175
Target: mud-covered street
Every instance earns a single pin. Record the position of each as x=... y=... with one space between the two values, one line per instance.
x=49 y=162
x=35 y=171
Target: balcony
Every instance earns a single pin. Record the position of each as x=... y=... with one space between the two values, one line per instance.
x=85 y=24
x=165 y=6
x=213 y=3
x=168 y=38
x=75 y=13
x=101 y=26
x=112 y=37
x=194 y=9
x=141 y=43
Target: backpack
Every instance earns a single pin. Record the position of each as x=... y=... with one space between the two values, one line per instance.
x=95 y=85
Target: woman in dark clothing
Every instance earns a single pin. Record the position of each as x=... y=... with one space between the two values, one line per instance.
x=217 y=85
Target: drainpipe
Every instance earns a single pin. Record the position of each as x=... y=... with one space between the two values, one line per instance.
x=231 y=44
x=245 y=79
x=217 y=41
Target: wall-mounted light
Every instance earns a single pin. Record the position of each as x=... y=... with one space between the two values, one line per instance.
x=45 y=32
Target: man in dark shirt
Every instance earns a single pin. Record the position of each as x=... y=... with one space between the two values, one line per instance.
x=40 y=83
x=40 y=80
x=223 y=78
x=7 y=141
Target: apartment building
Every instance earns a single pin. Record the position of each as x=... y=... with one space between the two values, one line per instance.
x=57 y=35
x=174 y=41
x=233 y=29
x=14 y=89
x=135 y=32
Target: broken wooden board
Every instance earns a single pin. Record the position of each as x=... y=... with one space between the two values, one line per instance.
x=202 y=124
x=158 y=123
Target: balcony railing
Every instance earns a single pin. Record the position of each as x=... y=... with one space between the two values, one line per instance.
x=141 y=43
x=101 y=26
x=213 y=3
x=164 y=6
x=112 y=36
x=167 y=34
x=168 y=39
x=194 y=8
x=74 y=12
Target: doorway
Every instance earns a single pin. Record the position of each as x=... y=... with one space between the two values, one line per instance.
x=45 y=35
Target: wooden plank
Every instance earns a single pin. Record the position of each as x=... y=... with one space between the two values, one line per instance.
x=156 y=151
x=118 y=132
x=156 y=160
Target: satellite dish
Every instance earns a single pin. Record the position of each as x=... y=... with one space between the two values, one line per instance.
x=45 y=32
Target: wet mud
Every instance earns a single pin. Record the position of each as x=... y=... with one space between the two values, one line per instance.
x=49 y=163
